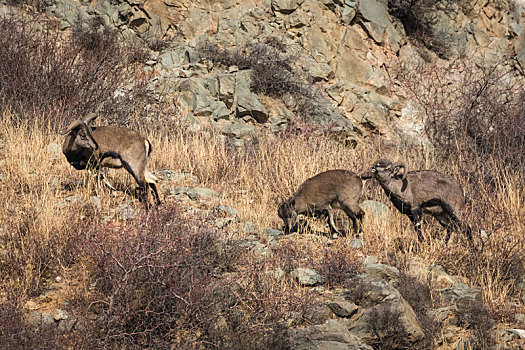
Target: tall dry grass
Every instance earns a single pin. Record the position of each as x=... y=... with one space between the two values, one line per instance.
x=41 y=230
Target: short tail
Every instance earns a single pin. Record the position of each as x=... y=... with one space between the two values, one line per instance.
x=150 y=178
x=149 y=148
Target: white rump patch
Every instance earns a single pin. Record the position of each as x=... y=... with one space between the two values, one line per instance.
x=150 y=178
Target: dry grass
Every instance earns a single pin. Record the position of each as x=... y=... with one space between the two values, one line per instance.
x=41 y=235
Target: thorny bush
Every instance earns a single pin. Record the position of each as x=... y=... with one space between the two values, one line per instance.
x=45 y=73
x=172 y=280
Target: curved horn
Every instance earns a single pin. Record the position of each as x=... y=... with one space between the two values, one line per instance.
x=90 y=117
x=74 y=124
x=397 y=167
x=89 y=134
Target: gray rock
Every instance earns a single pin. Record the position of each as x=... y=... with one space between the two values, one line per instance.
x=439 y=278
x=418 y=269
x=342 y=308
x=239 y=130
x=195 y=97
x=220 y=112
x=175 y=58
x=349 y=12
x=518 y=333
x=442 y=313
x=356 y=243
x=248 y=104
x=377 y=296
x=371 y=259
x=278 y=274
x=279 y=123
x=260 y=250
x=318 y=71
x=126 y=212
x=95 y=202
x=286 y=6
x=225 y=211
x=331 y=335
x=272 y=232
x=66 y=325
x=308 y=277
x=41 y=319
x=177 y=191
x=223 y=222
x=202 y=193
x=376 y=18
x=382 y=271
x=460 y=293
x=249 y=228
x=380 y=212
x=60 y=315
x=226 y=84
x=374 y=11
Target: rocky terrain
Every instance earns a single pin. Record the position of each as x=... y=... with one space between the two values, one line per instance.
x=243 y=74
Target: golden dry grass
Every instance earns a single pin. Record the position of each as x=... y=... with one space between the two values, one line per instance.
x=35 y=181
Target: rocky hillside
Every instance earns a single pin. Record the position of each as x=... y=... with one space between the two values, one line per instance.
x=243 y=101
x=339 y=56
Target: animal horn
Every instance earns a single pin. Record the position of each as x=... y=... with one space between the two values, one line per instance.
x=71 y=126
x=90 y=117
x=398 y=166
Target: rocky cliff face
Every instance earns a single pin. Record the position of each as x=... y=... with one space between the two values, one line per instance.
x=342 y=51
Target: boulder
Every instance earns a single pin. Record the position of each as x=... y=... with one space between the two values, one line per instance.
x=307 y=277
x=381 y=306
x=286 y=6
x=330 y=335
x=378 y=211
x=342 y=308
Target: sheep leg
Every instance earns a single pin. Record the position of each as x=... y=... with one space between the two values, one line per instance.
x=140 y=178
x=415 y=216
x=355 y=213
x=333 y=229
x=152 y=183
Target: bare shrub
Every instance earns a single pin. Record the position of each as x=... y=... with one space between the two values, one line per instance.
x=63 y=78
x=417 y=294
x=419 y=17
x=386 y=331
x=476 y=317
x=17 y=333
x=272 y=71
x=167 y=280
x=337 y=263
x=29 y=257
x=472 y=110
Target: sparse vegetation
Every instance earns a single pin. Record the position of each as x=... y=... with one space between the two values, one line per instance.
x=173 y=277
x=419 y=18
x=43 y=73
x=273 y=71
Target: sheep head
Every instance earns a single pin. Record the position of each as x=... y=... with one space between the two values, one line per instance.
x=384 y=170
x=79 y=143
x=287 y=213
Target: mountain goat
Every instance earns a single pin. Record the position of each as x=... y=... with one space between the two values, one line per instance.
x=332 y=189
x=421 y=192
x=111 y=147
